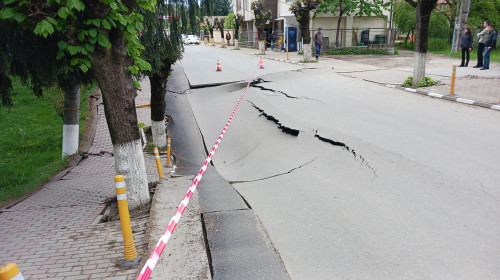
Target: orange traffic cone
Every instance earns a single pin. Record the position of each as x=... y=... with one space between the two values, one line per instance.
x=218 y=66
x=261 y=66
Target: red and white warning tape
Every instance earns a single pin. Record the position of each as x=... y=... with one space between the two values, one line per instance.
x=160 y=246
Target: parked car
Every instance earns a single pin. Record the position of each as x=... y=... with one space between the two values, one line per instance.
x=184 y=38
x=192 y=39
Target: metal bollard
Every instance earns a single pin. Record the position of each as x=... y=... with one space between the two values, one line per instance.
x=131 y=258
x=158 y=163
x=452 y=89
x=169 y=161
x=10 y=271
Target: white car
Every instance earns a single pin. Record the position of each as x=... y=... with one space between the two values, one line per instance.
x=192 y=39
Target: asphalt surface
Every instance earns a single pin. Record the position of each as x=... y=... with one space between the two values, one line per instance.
x=351 y=179
x=236 y=242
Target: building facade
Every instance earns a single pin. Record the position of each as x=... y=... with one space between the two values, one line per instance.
x=353 y=30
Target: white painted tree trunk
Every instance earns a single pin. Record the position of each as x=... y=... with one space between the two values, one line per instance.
x=419 y=68
x=262 y=47
x=307 y=52
x=70 y=139
x=236 y=43
x=71 y=117
x=129 y=162
x=159 y=131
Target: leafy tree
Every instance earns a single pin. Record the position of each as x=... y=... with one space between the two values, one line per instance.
x=162 y=50
x=438 y=30
x=350 y=7
x=33 y=59
x=423 y=14
x=210 y=23
x=193 y=14
x=481 y=10
x=221 y=7
x=404 y=19
x=184 y=26
x=302 y=11
x=103 y=36
x=219 y=24
x=229 y=21
x=238 y=21
x=261 y=18
x=206 y=7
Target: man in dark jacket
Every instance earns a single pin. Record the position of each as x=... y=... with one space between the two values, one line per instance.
x=489 y=45
x=318 y=41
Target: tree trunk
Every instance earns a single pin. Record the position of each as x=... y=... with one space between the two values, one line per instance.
x=307 y=52
x=119 y=107
x=463 y=19
x=338 y=32
x=419 y=68
x=71 y=117
x=339 y=21
x=158 y=90
x=262 y=47
x=423 y=9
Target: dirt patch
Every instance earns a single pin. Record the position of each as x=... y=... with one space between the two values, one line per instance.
x=111 y=213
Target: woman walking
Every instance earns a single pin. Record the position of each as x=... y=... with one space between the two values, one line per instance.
x=466 y=46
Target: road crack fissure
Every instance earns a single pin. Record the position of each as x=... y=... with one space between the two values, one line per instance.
x=287 y=130
x=276 y=175
x=257 y=81
x=347 y=148
x=295 y=132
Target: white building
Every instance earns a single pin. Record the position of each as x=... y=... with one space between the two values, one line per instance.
x=284 y=25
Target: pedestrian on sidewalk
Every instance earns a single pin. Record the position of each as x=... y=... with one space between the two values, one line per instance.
x=273 y=41
x=489 y=46
x=466 y=46
x=228 y=38
x=481 y=39
x=318 y=41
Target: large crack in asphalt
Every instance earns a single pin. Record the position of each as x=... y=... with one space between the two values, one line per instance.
x=255 y=83
x=295 y=132
x=283 y=128
x=347 y=148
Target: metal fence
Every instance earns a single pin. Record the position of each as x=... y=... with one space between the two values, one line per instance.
x=371 y=38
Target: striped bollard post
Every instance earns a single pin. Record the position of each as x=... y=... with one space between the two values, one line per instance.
x=131 y=258
x=169 y=161
x=158 y=163
x=10 y=271
x=452 y=89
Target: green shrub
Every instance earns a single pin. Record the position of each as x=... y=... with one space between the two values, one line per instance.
x=355 y=50
x=426 y=82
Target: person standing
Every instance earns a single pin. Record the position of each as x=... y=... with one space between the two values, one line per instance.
x=318 y=41
x=466 y=46
x=273 y=41
x=228 y=38
x=489 y=45
x=480 y=48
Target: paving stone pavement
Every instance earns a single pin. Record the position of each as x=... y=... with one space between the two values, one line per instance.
x=54 y=234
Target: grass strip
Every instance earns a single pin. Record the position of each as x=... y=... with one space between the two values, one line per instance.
x=31 y=140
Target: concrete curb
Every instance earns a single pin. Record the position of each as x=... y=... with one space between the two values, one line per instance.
x=448 y=97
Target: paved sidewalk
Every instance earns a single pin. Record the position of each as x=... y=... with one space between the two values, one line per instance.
x=471 y=83
x=55 y=234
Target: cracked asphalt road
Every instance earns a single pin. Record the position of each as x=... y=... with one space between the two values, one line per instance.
x=375 y=183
